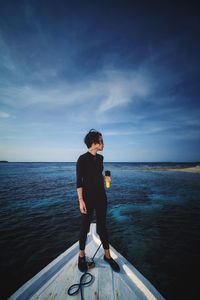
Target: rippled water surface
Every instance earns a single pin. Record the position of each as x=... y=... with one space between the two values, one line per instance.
x=153 y=220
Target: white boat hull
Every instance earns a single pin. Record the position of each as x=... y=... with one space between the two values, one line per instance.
x=53 y=281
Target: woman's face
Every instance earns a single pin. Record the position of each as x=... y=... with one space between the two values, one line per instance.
x=101 y=144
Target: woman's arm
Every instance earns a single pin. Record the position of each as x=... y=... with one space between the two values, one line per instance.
x=82 y=205
x=79 y=185
x=80 y=193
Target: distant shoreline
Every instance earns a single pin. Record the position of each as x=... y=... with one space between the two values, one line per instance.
x=195 y=169
x=192 y=170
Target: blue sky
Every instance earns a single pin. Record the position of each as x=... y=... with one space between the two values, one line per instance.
x=129 y=69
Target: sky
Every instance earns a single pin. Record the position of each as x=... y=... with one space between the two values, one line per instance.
x=129 y=69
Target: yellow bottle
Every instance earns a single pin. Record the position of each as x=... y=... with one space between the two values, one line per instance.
x=107 y=173
x=108 y=184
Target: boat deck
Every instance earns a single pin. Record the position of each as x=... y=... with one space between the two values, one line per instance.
x=53 y=281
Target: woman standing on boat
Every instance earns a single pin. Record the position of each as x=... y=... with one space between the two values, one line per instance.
x=92 y=195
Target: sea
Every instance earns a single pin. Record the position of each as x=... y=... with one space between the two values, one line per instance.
x=153 y=220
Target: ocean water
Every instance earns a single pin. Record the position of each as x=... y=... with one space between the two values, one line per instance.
x=153 y=220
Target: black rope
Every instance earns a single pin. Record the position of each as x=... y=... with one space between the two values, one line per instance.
x=78 y=286
x=96 y=251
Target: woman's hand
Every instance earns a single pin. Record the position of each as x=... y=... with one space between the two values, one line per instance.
x=107 y=178
x=82 y=206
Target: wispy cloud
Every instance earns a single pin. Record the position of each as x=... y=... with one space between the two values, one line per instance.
x=4 y=114
x=120 y=88
x=6 y=61
x=114 y=90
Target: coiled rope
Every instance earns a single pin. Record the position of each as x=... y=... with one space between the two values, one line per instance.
x=78 y=286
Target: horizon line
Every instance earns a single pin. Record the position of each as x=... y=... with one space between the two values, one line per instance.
x=5 y=161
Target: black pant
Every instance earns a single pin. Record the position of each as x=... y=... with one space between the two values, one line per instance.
x=100 y=206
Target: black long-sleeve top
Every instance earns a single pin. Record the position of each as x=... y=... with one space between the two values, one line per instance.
x=89 y=176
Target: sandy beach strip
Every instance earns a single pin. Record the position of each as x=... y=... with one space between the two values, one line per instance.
x=193 y=169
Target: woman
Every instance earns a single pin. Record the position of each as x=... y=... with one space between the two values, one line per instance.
x=92 y=196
